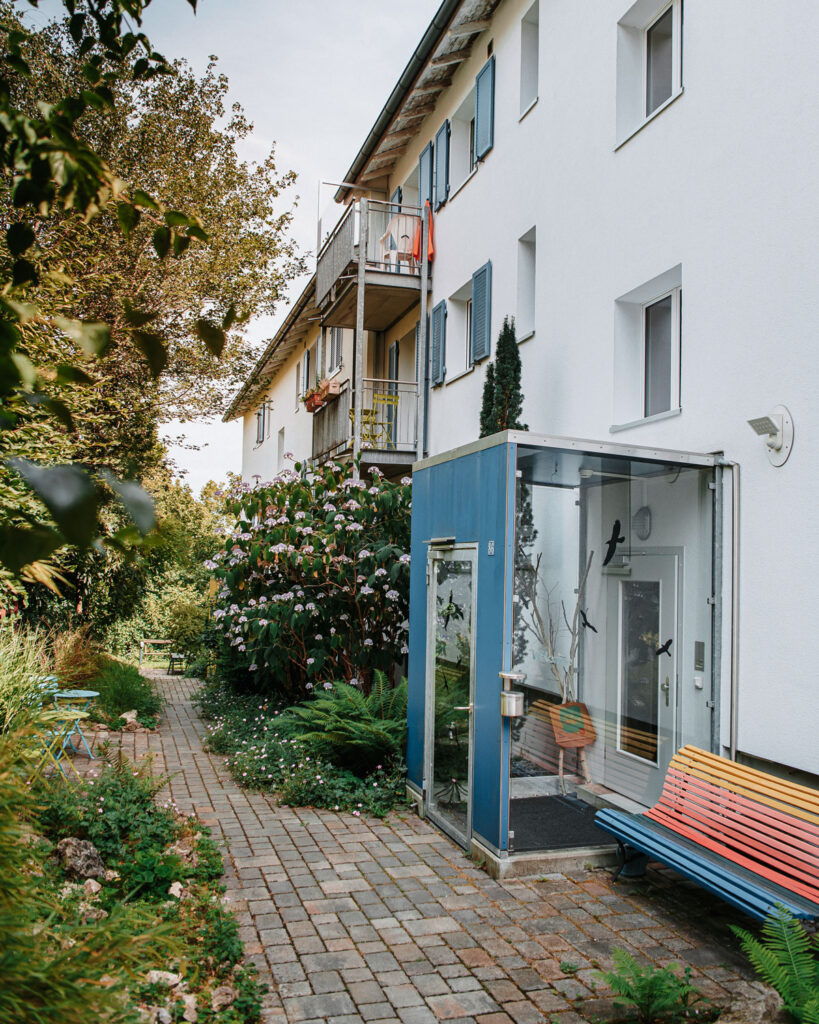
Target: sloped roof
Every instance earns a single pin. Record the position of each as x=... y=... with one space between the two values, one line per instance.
x=445 y=45
x=294 y=329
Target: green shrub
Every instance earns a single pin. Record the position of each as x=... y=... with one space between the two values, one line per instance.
x=788 y=959
x=314 y=580
x=53 y=967
x=77 y=658
x=24 y=660
x=656 y=993
x=122 y=688
x=351 y=729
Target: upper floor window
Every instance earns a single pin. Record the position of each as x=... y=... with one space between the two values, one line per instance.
x=647 y=347
x=649 y=62
x=527 y=264
x=529 y=45
x=336 y=348
x=261 y=417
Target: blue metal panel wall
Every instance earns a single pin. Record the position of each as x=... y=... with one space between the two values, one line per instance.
x=466 y=498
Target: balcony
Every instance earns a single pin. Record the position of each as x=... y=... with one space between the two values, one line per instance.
x=389 y=421
x=392 y=280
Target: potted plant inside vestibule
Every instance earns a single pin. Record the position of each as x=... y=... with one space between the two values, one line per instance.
x=570 y=718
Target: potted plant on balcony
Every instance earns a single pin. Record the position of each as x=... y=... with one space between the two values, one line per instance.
x=329 y=388
x=312 y=398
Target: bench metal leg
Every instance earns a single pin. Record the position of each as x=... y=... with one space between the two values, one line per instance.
x=621 y=859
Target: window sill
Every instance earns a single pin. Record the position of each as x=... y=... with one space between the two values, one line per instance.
x=459 y=374
x=617 y=427
x=526 y=110
x=649 y=119
x=468 y=178
x=334 y=373
x=526 y=337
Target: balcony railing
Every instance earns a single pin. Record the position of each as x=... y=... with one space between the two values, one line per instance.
x=391 y=231
x=389 y=417
x=332 y=430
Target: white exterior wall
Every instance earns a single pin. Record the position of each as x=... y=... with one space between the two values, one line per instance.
x=722 y=183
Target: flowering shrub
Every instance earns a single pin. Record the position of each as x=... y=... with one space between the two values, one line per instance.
x=315 y=579
x=262 y=752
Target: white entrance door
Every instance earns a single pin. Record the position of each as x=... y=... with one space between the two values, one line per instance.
x=644 y=649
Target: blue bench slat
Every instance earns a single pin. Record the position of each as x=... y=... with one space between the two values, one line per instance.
x=718 y=875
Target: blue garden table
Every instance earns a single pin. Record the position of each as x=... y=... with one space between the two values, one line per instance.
x=77 y=702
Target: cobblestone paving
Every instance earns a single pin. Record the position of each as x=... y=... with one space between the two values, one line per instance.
x=352 y=920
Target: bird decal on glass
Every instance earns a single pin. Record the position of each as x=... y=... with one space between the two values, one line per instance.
x=586 y=623
x=665 y=649
x=613 y=541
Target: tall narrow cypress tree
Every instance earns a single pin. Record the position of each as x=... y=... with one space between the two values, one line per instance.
x=508 y=404
x=488 y=403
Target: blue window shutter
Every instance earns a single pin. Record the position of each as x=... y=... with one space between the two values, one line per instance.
x=438 y=348
x=481 y=312
x=425 y=169
x=485 y=109
x=442 y=165
x=395 y=201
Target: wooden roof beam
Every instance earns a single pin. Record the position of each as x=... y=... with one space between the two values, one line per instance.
x=468 y=28
x=453 y=57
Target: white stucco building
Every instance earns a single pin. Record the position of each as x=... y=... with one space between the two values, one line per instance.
x=636 y=184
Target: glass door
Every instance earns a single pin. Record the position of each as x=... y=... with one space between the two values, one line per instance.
x=451 y=596
x=642 y=677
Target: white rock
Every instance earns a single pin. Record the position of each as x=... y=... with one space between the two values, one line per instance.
x=222 y=997
x=190 y=1013
x=91 y=887
x=164 y=978
x=129 y=716
x=176 y=890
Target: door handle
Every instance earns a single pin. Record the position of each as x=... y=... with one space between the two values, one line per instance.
x=666 y=687
x=466 y=707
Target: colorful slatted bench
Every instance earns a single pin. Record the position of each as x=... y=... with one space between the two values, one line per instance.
x=750 y=838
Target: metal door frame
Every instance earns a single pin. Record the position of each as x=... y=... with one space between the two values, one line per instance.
x=434 y=555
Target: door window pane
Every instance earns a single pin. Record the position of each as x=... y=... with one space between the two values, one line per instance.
x=658 y=349
x=452 y=668
x=659 y=60
x=638 y=668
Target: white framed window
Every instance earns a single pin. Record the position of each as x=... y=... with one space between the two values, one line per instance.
x=529 y=47
x=661 y=354
x=647 y=351
x=280 y=449
x=462 y=142
x=649 y=63
x=335 y=348
x=261 y=416
x=299 y=391
x=527 y=266
x=459 y=331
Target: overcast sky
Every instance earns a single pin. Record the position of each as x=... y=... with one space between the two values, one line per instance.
x=312 y=76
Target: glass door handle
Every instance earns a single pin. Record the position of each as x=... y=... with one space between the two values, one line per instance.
x=466 y=707
x=666 y=687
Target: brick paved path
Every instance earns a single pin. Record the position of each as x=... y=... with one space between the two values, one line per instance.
x=351 y=920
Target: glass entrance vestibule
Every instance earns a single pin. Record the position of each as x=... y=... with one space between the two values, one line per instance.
x=564 y=633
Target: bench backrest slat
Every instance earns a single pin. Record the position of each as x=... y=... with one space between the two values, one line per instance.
x=688 y=795
x=767 y=825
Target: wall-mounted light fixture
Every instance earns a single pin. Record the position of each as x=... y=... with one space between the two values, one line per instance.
x=777 y=429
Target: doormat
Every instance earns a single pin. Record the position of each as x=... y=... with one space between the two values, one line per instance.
x=553 y=823
x=521 y=768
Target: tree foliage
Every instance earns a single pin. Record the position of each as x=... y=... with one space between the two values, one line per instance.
x=502 y=405
x=111 y=162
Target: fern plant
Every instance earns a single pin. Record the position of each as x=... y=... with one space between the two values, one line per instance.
x=654 y=992
x=352 y=729
x=787 y=959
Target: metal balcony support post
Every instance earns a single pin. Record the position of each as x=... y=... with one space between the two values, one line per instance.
x=421 y=355
x=358 y=369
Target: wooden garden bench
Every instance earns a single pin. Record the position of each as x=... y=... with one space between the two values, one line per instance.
x=176 y=664
x=750 y=838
